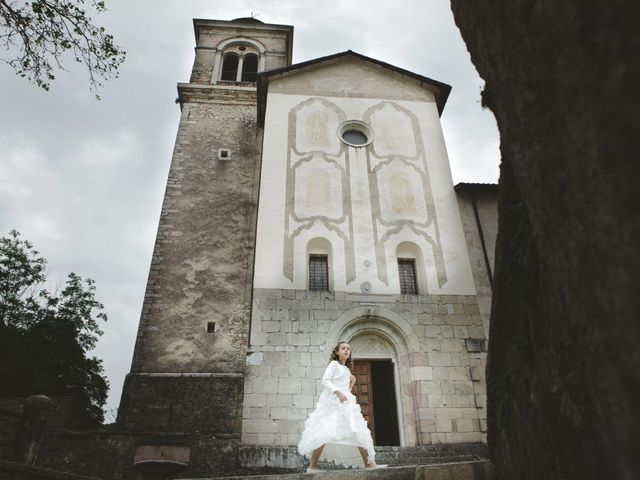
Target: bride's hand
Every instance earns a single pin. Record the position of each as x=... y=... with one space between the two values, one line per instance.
x=341 y=396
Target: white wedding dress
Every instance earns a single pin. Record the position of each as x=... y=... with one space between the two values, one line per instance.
x=335 y=424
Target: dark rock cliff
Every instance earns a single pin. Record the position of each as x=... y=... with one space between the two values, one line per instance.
x=564 y=355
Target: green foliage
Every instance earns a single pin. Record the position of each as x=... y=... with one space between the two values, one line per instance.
x=76 y=305
x=44 y=338
x=41 y=32
x=21 y=273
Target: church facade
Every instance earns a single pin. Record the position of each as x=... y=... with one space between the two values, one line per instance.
x=309 y=204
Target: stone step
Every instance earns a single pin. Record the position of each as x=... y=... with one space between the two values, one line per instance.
x=409 y=461
x=288 y=457
x=478 y=470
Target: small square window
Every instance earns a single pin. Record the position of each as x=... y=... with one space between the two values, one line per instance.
x=211 y=327
x=224 y=154
x=318 y=272
x=407 y=273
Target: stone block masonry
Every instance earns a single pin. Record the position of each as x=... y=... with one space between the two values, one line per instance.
x=437 y=344
x=182 y=403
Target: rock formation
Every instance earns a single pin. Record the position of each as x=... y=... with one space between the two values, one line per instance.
x=564 y=357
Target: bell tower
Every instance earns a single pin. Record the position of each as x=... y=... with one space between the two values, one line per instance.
x=187 y=373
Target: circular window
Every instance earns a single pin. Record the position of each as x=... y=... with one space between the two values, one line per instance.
x=355 y=133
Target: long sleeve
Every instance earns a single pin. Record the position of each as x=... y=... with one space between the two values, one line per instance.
x=328 y=376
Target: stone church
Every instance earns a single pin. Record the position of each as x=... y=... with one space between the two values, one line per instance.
x=308 y=204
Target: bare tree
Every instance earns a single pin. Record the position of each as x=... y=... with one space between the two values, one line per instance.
x=38 y=34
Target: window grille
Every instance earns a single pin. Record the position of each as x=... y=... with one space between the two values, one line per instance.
x=318 y=272
x=407 y=271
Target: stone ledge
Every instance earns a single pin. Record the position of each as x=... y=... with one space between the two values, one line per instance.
x=19 y=471
x=187 y=375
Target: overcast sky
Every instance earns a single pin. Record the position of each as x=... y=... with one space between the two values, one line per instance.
x=84 y=179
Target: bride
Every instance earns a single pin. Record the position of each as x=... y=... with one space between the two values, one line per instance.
x=337 y=420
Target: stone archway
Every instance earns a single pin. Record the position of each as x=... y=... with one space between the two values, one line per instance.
x=379 y=333
x=387 y=323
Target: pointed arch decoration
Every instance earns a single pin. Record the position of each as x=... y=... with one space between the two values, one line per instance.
x=415 y=210
x=311 y=147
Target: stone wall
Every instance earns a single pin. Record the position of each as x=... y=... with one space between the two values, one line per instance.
x=182 y=403
x=201 y=266
x=11 y=421
x=24 y=419
x=66 y=444
x=110 y=455
x=483 y=200
x=438 y=344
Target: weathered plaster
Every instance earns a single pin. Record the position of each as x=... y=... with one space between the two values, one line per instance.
x=372 y=200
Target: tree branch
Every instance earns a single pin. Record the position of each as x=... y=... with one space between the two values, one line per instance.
x=44 y=30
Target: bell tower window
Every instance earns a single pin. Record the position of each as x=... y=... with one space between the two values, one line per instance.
x=230 y=67
x=239 y=63
x=250 y=68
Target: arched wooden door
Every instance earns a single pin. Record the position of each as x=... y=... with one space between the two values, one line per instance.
x=363 y=390
x=375 y=391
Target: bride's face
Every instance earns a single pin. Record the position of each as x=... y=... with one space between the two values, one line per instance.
x=344 y=352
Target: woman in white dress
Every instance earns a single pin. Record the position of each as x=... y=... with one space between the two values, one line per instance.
x=337 y=420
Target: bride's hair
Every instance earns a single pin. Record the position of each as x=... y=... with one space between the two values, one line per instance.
x=336 y=357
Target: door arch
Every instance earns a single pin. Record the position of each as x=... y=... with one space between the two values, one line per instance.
x=398 y=342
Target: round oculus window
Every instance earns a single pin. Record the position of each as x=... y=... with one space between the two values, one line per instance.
x=355 y=133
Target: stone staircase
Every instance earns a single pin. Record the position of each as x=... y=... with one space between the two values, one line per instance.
x=478 y=470
x=289 y=458
x=429 y=462
x=431 y=454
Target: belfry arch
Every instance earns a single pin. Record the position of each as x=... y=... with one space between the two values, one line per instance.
x=243 y=48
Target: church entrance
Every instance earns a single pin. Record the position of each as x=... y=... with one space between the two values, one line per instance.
x=376 y=394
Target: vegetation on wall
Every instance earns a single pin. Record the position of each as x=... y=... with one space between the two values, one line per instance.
x=45 y=337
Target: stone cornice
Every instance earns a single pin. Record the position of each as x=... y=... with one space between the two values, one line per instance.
x=243 y=94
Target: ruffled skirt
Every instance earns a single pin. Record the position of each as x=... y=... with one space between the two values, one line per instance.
x=335 y=424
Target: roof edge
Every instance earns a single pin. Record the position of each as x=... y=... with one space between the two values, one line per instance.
x=473 y=188
x=201 y=22
x=263 y=78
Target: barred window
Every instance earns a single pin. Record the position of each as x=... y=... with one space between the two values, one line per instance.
x=407 y=271
x=318 y=272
